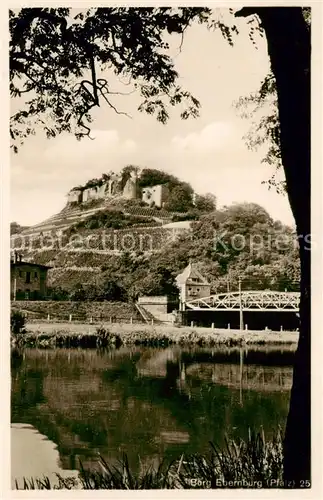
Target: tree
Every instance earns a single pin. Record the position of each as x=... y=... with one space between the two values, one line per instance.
x=159 y=282
x=16 y=228
x=78 y=293
x=180 y=200
x=205 y=203
x=57 y=61
x=17 y=322
x=111 y=290
x=51 y=58
x=126 y=173
x=152 y=177
x=262 y=106
x=58 y=293
x=265 y=130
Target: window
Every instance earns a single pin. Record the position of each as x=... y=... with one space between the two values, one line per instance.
x=198 y=289
x=36 y=274
x=28 y=277
x=195 y=280
x=20 y=274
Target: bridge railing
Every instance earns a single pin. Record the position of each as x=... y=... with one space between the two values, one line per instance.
x=248 y=300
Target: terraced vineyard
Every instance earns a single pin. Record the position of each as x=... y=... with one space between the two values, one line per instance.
x=78 y=254
x=132 y=239
x=71 y=215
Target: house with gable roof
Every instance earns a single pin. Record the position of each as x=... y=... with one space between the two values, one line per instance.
x=191 y=285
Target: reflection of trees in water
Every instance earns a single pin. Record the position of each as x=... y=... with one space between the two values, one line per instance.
x=87 y=402
x=26 y=387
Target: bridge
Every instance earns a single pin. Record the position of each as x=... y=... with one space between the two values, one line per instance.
x=254 y=301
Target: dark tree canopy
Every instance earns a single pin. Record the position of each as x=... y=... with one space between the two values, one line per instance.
x=59 y=63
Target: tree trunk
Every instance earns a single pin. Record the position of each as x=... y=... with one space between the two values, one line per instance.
x=289 y=49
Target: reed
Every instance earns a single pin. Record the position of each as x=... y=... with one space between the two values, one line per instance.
x=254 y=463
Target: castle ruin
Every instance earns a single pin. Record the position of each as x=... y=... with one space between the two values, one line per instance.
x=111 y=186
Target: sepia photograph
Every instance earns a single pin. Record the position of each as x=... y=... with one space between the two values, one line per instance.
x=160 y=247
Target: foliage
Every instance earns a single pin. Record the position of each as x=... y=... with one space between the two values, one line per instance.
x=139 y=52
x=106 y=338
x=180 y=200
x=262 y=107
x=52 y=51
x=77 y=293
x=87 y=205
x=159 y=282
x=58 y=293
x=107 y=290
x=112 y=291
x=17 y=321
x=192 y=214
x=240 y=240
x=16 y=228
x=114 y=219
x=126 y=173
x=254 y=463
x=205 y=203
x=151 y=177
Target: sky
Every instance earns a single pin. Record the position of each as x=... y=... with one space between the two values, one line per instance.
x=209 y=152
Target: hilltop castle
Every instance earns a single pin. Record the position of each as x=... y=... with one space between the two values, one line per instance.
x=114 y=185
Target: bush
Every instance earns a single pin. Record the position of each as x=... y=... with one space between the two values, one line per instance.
x=105 y=338
x=58 y=293
x=17 y=322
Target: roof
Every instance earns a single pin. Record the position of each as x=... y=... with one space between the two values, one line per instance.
x=23 y=263
x=191 y=272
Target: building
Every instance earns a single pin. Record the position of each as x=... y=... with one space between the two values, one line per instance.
x=192 y=285
x=75 y=196
x=111 y=186
x=155 y=195
x=28 y=280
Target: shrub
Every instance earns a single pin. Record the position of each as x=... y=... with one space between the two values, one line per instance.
x=105 y=338
x=17 y=322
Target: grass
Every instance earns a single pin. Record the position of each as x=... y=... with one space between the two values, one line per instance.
x=86 y=335
x=254 y=463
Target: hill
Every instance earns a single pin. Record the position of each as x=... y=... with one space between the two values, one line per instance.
x=146 y=193
x=114 y=253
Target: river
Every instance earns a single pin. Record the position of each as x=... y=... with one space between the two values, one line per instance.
x=148 y=403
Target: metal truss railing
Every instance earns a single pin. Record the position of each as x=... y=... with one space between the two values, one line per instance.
x=248 y=301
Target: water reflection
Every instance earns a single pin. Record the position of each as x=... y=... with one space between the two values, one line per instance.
x=149 y=403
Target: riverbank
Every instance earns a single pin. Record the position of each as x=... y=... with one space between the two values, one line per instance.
x=90 y=335
x=253 y=464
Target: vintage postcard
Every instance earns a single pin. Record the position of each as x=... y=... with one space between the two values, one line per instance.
x=165 y=248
